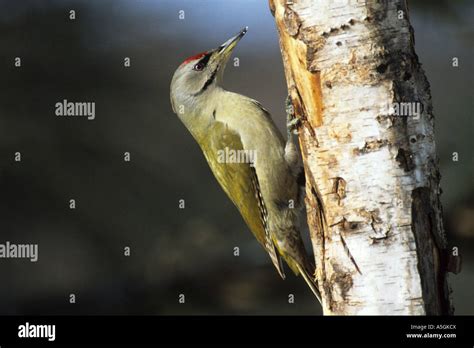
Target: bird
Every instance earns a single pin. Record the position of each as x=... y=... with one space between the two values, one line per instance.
x=267 y=187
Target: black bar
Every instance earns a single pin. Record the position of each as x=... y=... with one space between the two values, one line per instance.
x=240 y=329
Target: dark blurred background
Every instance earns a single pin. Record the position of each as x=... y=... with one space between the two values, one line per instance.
x=135 y=203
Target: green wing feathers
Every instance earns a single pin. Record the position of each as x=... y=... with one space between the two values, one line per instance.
x=240 y=182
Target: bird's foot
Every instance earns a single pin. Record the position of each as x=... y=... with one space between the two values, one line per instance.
x=292 y=122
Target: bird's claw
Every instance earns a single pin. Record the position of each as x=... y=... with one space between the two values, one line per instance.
x=292 y=122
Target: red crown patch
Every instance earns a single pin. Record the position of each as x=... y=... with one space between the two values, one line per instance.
x=197 y=56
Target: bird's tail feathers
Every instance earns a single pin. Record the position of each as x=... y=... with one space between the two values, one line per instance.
x=310 y=281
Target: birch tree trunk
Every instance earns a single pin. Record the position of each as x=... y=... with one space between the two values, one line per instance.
x=367 y=140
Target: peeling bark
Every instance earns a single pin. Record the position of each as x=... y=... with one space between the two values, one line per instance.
x=372 y=177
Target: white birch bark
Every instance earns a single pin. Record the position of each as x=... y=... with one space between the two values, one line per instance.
x=372 y=178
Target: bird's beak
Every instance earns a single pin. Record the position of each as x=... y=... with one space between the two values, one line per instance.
x=224 y=50
x=222 y=54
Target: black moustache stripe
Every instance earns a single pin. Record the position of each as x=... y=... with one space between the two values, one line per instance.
x=209 y=81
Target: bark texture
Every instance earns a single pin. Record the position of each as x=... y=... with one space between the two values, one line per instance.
x=372 y=176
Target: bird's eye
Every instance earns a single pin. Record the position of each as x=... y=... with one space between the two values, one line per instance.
x=198 y=67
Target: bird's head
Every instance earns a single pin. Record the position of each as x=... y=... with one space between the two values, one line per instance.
x=202 y=72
